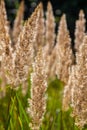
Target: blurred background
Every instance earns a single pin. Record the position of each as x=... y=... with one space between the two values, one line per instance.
x=70 y=7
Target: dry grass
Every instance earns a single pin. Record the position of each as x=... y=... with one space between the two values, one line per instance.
x=31 y=61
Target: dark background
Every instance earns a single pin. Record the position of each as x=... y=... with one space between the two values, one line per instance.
x=70 y=7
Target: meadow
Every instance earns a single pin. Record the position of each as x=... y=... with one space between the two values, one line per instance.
x=43 y=78
x=13 y=113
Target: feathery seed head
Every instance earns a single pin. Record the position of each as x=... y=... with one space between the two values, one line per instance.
x=38 y=89
x=80 y=30
x=50 y=28
x=24 y=48
x=79 y=98
x=68 y=94
x=64 y=51
x=5 y=46
x=81 y=14
x=41 y=30
x=18 y=25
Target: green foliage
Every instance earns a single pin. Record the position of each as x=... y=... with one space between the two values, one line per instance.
x=13 y=115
